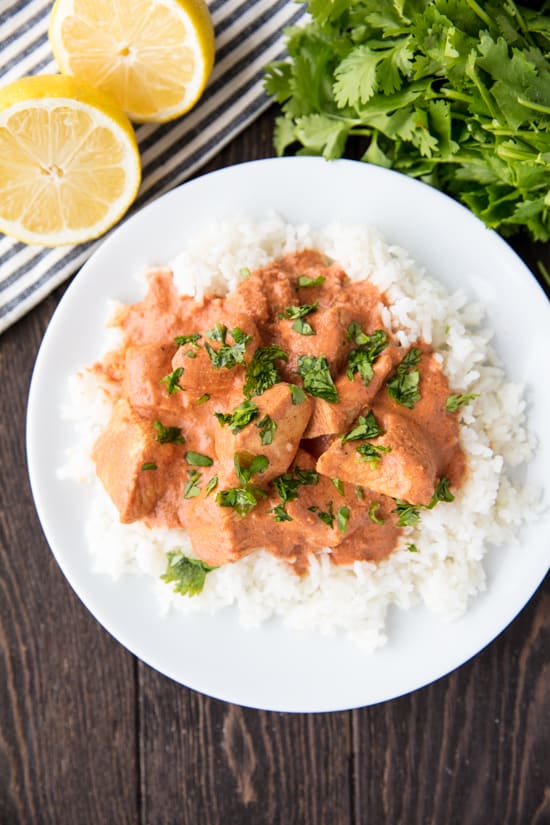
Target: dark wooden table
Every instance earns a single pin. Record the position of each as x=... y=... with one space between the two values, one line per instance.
x=88 y=734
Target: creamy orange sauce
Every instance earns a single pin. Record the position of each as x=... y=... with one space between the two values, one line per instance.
x=338 y=498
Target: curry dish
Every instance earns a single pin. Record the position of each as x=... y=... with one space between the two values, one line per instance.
x=283 y=415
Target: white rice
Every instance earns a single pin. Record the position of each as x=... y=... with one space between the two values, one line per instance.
x=452 y=539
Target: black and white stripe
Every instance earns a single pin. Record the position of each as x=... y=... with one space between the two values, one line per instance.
x=248 y=36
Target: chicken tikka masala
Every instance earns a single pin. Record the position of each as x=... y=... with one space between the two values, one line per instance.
x=282 y=416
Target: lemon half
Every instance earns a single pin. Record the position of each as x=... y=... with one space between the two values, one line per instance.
x=69 y=162
x=152 y=56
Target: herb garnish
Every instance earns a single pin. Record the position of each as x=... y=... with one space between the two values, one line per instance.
x=149 y=465
x=188 y=574
x=441 y=492
x=241 y=416
x=297 y=393
x=456 y=402
x=372 y=453
x=192 y=489
x=172 y=380
x=404 y=386
x=198 y=459
x=454 y=93
x=212 y=484
x=228 y=355
x=342 y=518
x=202 y=399
x=316 y=376
x=244 y=498
x=412 y=548
x=339 y=484
x=408 y=515
x=244 y=272
x=298 y=313
x=368 y=427
x=181 y=340
x=168 y=435
x=303 y=280
x=326 y=516
x=373 y=513
x=287 y=486
x=369 y=348
x=261 y=373
x=267 y=428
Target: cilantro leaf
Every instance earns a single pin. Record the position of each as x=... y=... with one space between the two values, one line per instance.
x=198 y=459
x=404 y=386
x=267 y=428
x=261 y=373
x=168 y=435
x=228 y=355
x=304 y=280
x=315 y=373
x=407 y=514
x=241 y=416
x=367 y=427
x=456 y=402
x=188 y=574
x=172 y=380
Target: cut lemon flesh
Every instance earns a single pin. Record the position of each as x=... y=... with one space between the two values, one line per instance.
x=152 y=56
x=69 y=162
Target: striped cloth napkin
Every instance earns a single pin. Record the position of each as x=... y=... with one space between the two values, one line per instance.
x=248 y=35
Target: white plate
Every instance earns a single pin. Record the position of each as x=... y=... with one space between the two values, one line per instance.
x=270 y=667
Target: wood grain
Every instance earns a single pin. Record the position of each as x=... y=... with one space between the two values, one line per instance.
x=90 y=735
x=67 y=724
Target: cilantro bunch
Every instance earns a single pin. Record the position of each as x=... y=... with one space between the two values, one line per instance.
x=454 y=92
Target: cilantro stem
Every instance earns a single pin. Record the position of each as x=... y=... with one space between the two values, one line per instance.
x=536 y=107
x=480 y=12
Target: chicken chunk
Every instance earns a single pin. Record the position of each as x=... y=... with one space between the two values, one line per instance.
x=407 y=471
x=131 y=463
x=145 y=368
x=279 y=422
x=354 y=396
x=201 y=374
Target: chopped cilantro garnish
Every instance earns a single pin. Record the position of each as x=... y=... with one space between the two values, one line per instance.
x=181 y=340
x=228 y=355
x=316 y=376
x=188 y=574
x=303 y=280
x=373 y=513
x=244 y=272
x=407 y=514
x=297 y=314
x=261 y=372
x=202 y=399
x=149 y=465
x=372 y=453
x=267 y=428
x=342 y=518
x=244 y=498
x=192 y=489
x=288 y=484
x=367 y=427
x=190 y=354
x=280 y=514
x=303 y=327
x=456 y=402
x=172 y=380
x=297 y=393
x=212 y=484
x=198 y=459
x=441 y=492
x=168 y=435
x=241 y=416
x=404 y=386
x=326 y=516
x=293 y=312
x=412 y=548
x=369 y=348
x=339 y=484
